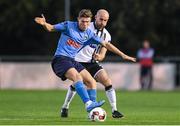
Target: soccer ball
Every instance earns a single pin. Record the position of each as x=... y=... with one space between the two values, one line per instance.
x=97 y=114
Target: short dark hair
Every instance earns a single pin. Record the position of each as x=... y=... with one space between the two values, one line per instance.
x=85 y=13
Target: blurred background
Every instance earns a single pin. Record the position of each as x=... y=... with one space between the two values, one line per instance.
x=27 y=49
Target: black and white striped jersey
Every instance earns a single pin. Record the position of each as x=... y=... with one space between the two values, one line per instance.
x=86 y=54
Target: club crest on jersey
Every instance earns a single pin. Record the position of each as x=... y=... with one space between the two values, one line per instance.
x=73 y=43
x=85 y=37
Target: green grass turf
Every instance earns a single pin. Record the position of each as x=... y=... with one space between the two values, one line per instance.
x=42 y=107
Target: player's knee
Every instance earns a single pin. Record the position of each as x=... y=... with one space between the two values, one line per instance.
x=76 y=77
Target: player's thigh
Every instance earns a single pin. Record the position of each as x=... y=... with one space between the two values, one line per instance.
x=103 y=77
x=88 y=79
x=73 y=75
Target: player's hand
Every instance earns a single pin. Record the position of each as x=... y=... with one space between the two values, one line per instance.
x=40 y=20
x=97 y=57
x=129 y=58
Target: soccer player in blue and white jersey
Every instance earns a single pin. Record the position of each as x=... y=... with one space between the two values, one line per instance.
x=89 y=57
x=75 y=36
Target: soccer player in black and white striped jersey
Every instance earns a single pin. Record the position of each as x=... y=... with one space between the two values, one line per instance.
x=89 y=57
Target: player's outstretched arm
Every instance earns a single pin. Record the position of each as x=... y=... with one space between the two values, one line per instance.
x=42 y=21
x=115 y=50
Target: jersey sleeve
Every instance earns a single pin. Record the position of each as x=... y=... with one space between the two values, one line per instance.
x=61 y=26
x=108 y=36
x=108 y=39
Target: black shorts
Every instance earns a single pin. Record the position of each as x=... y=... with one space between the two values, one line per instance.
x=61 y=64
x=92 y=68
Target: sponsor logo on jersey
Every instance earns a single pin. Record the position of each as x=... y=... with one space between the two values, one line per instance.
x=73 y=43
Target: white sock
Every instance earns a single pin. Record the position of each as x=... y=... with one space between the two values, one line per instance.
x=111 y=95
x=69 y=96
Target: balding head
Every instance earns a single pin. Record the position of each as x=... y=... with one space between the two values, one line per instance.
x=103 y=12
x=101 y=18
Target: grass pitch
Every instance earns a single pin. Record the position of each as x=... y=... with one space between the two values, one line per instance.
x=18 y=107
